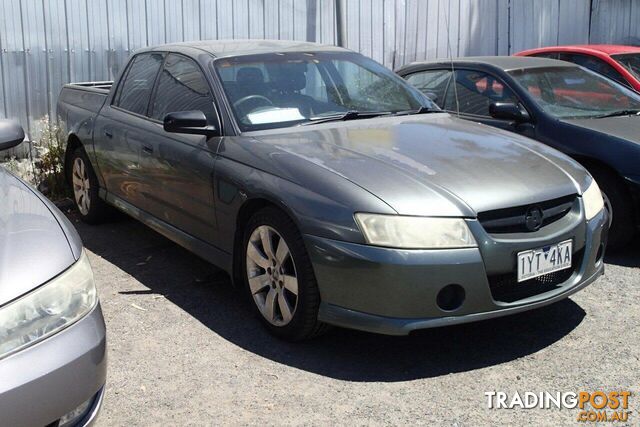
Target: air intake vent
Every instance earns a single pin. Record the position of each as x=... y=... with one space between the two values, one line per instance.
x=505 y=287
x=514 y=220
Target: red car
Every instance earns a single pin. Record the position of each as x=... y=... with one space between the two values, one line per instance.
x=620 y=63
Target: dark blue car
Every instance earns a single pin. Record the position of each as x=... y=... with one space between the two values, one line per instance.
x=583 y=114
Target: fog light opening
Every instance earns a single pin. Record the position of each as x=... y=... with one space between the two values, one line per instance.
x=78 y=414
x=450 y=297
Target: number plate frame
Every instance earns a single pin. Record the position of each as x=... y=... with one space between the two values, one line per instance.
x=537 y=262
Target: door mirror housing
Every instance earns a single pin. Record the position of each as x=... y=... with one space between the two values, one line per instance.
x=192 y=122
x=508 y=111
x=11 y=134
x=432 y=96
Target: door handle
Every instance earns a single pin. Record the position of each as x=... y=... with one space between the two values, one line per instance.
x=108 y=134
x=147 y=149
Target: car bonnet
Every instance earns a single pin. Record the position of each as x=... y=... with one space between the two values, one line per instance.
x=623 y=127
x=434 y=164
x=33 y=245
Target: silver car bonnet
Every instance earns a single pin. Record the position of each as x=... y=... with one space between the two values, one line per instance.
x=434 y=164
x=33 y=246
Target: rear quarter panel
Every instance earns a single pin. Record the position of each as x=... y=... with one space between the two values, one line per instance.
x=77 y=110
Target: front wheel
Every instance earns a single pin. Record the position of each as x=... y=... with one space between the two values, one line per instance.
x=279 y=276
x=91 y=208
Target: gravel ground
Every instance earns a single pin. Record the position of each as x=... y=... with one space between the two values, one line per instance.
x=184 y=348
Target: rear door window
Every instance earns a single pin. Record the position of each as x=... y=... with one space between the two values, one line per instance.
x=475 y=92
x=432 y=83
x=182 y=87
x=135 y=90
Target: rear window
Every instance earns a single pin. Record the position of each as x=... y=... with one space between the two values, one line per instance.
x=548 y=55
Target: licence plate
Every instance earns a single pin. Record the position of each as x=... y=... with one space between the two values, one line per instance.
x=541 y=261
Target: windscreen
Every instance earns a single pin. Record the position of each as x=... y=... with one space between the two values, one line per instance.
x=286 y=89
x=574 y=92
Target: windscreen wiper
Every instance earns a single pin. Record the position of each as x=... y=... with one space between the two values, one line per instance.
x=347 y=115
x=421 y=110
x=619 y=113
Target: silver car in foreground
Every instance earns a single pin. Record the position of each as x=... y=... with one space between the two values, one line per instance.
x=52 y=333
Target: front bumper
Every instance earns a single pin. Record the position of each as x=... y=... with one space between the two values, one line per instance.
x=42 y=383
x=394 y=291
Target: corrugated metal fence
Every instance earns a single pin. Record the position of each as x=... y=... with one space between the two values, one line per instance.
x=46 y=43
x=397 y=32
x=616 y=21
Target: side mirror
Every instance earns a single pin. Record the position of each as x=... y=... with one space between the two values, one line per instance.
x=432 y=96
x=508 y=111
x=11 y=134
x=193 y=122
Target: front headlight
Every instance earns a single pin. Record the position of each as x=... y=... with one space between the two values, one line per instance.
x=415 y=232
x=592 y=199
x=50 y=308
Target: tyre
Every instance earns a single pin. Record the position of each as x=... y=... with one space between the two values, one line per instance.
x=91 y=207
x=617 y=201
x=279 y=276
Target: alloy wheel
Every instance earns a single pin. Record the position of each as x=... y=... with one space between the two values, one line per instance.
x=272 y=276
x=81 y=186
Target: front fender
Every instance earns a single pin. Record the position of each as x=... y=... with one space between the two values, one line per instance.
x=326 y=211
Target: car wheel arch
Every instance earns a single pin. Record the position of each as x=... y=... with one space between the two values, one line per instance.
x=246 y=211
x=595 y=166
x=73 y=143
x=590 y=164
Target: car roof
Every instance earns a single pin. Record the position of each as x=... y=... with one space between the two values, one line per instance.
x=609 y=49
x=505 y=63
x=227 y=48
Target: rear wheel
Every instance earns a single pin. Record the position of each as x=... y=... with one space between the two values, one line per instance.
x=617 y=201
x=279 y=276
x=91 y=207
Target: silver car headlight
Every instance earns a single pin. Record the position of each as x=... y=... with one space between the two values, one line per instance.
x=48 y=309
x=592 y=199
x=415 y=232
